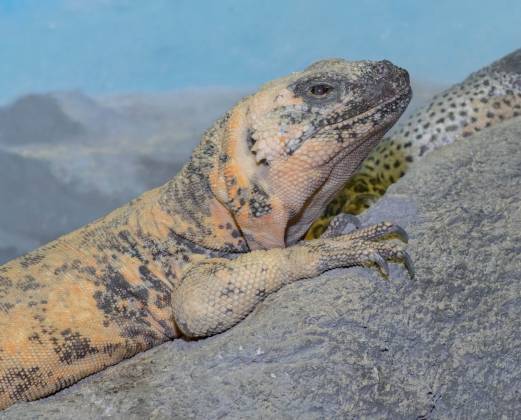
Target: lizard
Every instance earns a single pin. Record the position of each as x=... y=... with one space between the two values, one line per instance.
x=193 y=257
x=485 y=98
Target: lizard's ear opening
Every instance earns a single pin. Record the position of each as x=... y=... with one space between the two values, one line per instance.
x=265 y=147
x=250 y=140
x=260 y=154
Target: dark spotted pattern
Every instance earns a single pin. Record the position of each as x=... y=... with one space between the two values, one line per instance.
x=259 y=202
x=72 y=346
x=21 y=380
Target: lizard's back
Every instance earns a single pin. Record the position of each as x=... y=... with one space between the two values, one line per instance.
x=84 y=302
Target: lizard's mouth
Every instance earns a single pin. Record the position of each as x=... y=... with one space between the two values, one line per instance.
x=391 y=109
x=382 y=117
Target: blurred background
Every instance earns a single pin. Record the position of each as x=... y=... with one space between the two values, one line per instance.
x=103 y=99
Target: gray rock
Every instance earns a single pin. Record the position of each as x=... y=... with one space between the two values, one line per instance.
x=350 y=344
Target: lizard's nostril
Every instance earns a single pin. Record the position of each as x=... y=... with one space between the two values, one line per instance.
x=385 y=67
x=382 y=68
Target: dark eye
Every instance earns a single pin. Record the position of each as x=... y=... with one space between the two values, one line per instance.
x=320 y=89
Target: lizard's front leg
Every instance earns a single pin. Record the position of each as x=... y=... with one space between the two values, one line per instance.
x=218 y=293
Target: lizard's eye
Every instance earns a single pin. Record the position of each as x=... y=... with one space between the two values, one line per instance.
x=320 y=89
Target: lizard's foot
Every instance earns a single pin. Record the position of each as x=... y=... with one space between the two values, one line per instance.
x=346 y=251
x=392 y=252
x=373 y=232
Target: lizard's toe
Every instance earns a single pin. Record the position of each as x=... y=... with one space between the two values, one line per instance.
x=380 y=253
x=409 y=265
x=399 y=232
x=396 y=253
x=380 y=262
x=378 y=231
x=339 y=223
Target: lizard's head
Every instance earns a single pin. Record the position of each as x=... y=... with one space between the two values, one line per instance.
x=291 y=146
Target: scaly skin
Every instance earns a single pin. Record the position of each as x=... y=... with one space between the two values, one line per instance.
x=193 y=257
x=485 y=98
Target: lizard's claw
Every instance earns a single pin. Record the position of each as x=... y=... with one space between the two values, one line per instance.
x=395 y=253
x=381 y=263
x=409 y=265
x=360 y=248
x=399 y=232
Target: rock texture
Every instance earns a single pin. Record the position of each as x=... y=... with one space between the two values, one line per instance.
x=350 y=344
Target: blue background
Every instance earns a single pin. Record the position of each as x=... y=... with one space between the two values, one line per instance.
x=111 y=46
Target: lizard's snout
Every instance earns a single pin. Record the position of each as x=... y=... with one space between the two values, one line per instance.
x=391 y=80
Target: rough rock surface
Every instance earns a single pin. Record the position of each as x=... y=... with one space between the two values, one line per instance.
x=350 y=344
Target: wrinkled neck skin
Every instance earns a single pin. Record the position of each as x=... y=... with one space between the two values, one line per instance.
x=340 y=170
x=195 y=212
x=224 y=200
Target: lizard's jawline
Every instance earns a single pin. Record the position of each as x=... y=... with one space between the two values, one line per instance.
x=387 y=122
x=405 y=94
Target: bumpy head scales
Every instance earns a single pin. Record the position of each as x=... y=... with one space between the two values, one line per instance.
x=323 y=103
x=293 y=144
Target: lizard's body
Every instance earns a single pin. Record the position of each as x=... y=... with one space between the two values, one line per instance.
x=196 y=255
x=485 y=98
